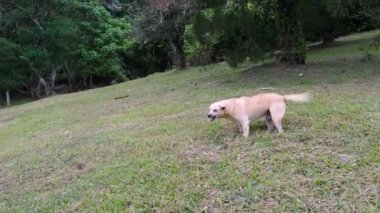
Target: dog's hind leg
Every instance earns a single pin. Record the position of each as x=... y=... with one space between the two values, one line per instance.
x=240 y=128
x=269 y=121
x=277 y=112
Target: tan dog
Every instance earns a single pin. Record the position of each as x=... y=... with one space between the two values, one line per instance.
x=245 y=109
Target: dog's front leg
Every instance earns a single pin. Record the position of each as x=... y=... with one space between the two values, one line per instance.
x=245 y=126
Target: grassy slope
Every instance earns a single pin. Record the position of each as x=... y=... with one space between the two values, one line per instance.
x=156 y=150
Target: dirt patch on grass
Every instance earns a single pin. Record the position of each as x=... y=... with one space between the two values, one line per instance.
x=4 y=120
x=214 y=202
x=201 y=153
x=3 y=185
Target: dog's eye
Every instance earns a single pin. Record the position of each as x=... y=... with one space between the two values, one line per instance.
x=215 y=110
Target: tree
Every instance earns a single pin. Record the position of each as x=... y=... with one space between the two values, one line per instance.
x=22 y=26
x=65 y=39
x=11 y=71
x=291 y=40
x=324 y=20
x=146 y=58
x=165 y=21
x=239 y=29
x=359 y=15
x=317 y=23
x=103 y=42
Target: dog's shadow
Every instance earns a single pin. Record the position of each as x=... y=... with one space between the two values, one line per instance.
x=254 y=126
x=230 y=132
x=258 y=126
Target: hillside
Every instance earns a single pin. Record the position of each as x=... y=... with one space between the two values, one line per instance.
x=148 y=145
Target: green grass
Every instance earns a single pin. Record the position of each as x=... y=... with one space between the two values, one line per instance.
x=155 y=150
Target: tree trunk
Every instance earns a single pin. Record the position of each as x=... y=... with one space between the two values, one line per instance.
x=327 y=37
x=53 y=76
x=46 y=86
x=128 y=73
x=36 y=92
x=179 y=55
x=71 y=77
x=36 y=78
x=33 y=89
x=91 y=82
x=85 y=81
x=291 y=42
x=8 y=97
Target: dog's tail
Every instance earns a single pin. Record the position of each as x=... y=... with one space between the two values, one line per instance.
x=299 y=98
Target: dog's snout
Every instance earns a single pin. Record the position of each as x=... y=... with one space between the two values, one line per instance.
x=211 y=117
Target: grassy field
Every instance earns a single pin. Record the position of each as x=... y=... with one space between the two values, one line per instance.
x=155 y=150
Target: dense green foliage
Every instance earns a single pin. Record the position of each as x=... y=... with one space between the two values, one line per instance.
x=45 y=45
x=60 y=40
x=11 y=71
x=327 y=19
x=255 y=28
x=238 y=29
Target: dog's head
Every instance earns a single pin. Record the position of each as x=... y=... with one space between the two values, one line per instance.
x=217 y=110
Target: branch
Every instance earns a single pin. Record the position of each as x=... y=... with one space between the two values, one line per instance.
x=36 y=22
x=21 y=91
x=112 y=5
